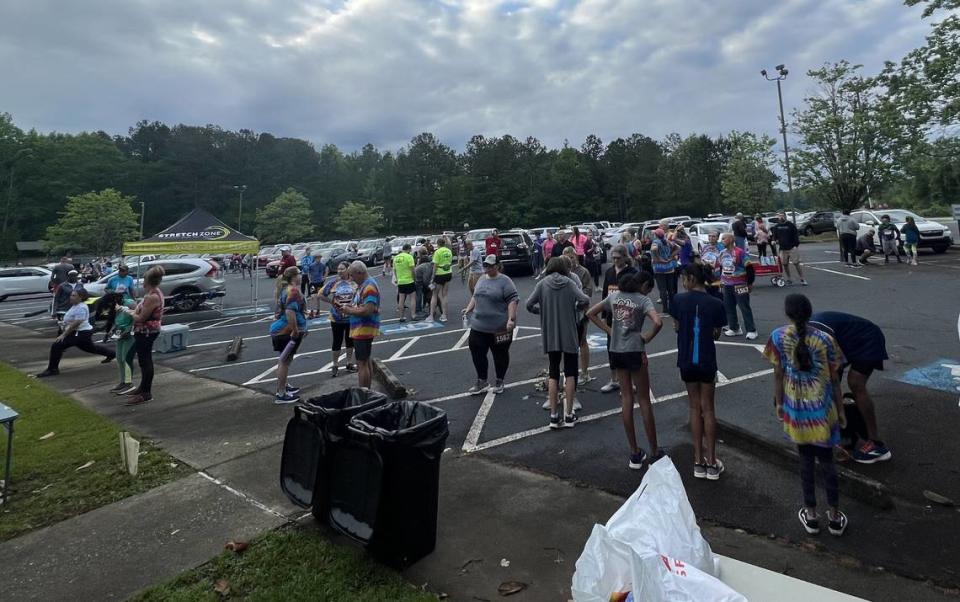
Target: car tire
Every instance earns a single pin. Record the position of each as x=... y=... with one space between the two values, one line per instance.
x=186 y=305
x=940 y=249
x=808 y=231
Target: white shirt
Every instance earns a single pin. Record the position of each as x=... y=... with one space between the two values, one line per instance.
x=79 y=312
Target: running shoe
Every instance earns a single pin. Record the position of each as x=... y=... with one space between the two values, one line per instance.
x=637 y=460
x=498 y=387
x=570 y=421
x=334 y=371
x=443 y=318
x=138 y=399
x=120 y=387
x=130 y=388
x=351 y=367
x=610 y=387
x=429 y=319
x=108 y=359
x=293 y=390
x=811 y=525
x=751 y=335
x=583 y=379
x=837 y=524
x=729 y=332
x=872 y=451
x=478 y=388
x=546 y=404
x=577 y=406
x=715 y=470
x=285 y=398
x=47 y=373
x=555 y=421
x=803 y=282
x=699 y=471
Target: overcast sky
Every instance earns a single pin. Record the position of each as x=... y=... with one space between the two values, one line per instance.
x=381 y=71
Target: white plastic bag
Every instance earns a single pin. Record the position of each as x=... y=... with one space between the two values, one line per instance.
x=651 y=546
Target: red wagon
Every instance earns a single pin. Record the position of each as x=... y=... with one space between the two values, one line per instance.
x=770 y=266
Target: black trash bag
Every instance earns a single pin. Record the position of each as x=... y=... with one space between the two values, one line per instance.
x=317 y=426
x=385 y=481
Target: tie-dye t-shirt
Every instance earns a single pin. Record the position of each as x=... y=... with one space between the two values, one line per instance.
x=809 y=414
x=366 y=327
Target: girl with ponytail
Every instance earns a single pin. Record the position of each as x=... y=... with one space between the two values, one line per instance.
x=807 y=399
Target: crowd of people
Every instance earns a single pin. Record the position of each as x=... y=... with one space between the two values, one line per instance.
x=134 y=324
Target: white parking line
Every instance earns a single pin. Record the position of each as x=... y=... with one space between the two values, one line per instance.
x=813 y=267
x=591 y=417
x=402 y=350
x=473 y=435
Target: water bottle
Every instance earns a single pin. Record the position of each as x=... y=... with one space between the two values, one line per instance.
x=466 y=322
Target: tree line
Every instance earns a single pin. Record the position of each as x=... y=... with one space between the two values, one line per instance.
x=887 y=138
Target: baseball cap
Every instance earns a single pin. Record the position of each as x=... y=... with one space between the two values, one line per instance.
x=490 y=259
x=73 y=272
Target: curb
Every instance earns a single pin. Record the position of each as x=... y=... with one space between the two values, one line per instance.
x=388 y=379
x=851 y=482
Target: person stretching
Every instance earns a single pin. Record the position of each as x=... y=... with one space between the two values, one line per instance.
x=77 y=332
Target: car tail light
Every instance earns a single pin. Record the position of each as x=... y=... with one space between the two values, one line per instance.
x=214 y=268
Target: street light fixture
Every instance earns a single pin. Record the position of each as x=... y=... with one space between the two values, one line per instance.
x=781 y=75
x=241 y=188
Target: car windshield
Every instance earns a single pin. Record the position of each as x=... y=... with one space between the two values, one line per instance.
x=478 y=235
x=368 y=244
x=708 y=229
x=899 y=216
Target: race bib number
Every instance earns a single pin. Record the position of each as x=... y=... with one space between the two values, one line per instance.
x=503 y=337
x=741 y=290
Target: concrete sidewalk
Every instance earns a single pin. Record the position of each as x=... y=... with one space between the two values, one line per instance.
x=231 y=435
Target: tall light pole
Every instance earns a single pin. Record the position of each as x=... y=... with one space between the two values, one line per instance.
x=241 y=188
x=782 y=75
x=143 y=211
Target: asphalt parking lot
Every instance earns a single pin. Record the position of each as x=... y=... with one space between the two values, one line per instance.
x=917 y=308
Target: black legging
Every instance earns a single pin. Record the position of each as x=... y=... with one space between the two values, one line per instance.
x=571 y=364
x=810 y=455
x=143 y=347
x=81 y=340
x=848 y=247
x=480 y=343
x=667 y=285
x=305 y=284
x=341 y=333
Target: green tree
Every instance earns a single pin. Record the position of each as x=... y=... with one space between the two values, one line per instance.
x=926 y=83
x=97 y=222
x=288 y=218
x=357 y=220
x=748 y=179
x=852 y=136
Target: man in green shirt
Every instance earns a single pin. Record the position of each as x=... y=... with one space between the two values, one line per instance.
x=442 y=273
x=403 y=268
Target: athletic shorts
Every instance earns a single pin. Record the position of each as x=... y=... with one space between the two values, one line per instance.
x=571 y=364
x=632 y=360
x=698 y=374
x=280 y=343
x=442 y=278
x=866 y=368
x=406 y=289
x=362 y=349
x=790 y=255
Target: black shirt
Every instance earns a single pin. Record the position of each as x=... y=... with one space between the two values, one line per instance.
x=739 y=228
x=558 y=248
x=860 y=339
x=786 y=235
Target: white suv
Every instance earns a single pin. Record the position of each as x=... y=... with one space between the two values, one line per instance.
x=933 y=235
x=187 y=282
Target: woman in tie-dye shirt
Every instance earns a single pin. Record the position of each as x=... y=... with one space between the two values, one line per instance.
x=808 y=401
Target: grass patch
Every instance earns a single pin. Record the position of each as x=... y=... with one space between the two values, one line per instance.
x=45 y=484
x=295 y=563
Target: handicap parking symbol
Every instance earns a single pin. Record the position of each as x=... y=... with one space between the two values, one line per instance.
x=597 y=340
x=399 y=327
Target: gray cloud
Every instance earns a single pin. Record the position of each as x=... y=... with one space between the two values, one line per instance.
x=382 y=71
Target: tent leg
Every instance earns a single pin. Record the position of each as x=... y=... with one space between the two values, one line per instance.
x=254 y=288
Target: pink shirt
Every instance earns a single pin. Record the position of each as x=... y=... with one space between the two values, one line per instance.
x=578 y=242
x=548 y=247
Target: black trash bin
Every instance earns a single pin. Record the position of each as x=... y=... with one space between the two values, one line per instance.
x=316 y=429
x=385 y=481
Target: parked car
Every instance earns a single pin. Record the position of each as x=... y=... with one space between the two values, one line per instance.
x=516 y=251
x=370 y=251
x=818 y=222
x=266 y=255
x=479 y=235
x=187 y=282
x=700 y=233
x=23 y=280
x=933 y=235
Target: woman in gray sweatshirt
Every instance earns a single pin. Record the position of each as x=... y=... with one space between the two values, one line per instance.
x=557 y=299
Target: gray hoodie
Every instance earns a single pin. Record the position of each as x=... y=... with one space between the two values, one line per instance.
x=557 y=299
x=847 y=225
